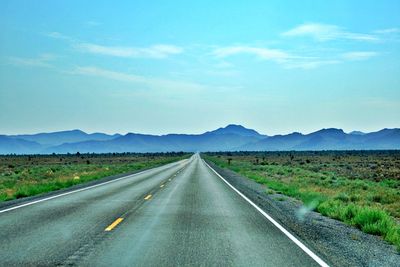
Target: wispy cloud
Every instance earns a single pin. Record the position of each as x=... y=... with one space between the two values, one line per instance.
x=296 y=58
x=292 y=60
x=108 y=74
x=155 y=51
x=42 y=60
x=151 y=82
x=327 y=32
x=359 y=55
x=310 y=64
x=284 y=58
x=261 y=53
x=388 y=31
x=57 y=35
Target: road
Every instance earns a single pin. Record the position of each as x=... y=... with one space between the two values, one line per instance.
x=180 y=214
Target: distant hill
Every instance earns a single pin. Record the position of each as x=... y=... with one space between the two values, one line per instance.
x=58 y=138
x=219 y=140
x=328 y=139
x=229 y=138
x=10 y=145
x=357 y=133
x=238 y=130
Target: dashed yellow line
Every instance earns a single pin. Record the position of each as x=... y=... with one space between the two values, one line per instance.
x=115 y=223
x=148 y=197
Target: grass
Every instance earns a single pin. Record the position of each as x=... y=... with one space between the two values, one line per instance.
x=332 y=183
x=23 y=176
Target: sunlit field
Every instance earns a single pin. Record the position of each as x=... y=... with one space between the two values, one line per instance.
x=23 y=176
x=359 y=188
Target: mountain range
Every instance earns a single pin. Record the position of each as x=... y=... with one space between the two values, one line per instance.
x=230 y=138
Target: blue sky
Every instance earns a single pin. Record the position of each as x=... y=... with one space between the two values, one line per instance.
x=190 y=66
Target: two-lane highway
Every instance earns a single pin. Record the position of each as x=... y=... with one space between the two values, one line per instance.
x=48 y=232
x=182 y=214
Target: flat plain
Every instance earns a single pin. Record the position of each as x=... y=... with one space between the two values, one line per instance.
x=360 y=188
x=29 y=175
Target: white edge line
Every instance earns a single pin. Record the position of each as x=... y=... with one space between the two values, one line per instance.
x=81 y=189
x=280 y=227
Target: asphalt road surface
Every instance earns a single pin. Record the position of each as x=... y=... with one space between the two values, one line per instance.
x=180 y=214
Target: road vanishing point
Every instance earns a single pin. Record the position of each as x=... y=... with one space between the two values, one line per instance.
x=179 y=214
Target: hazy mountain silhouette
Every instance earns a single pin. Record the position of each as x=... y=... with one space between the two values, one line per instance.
x=10 y=145
x=230 y=138
x=218 y=140
x=357 y=133
x=58 y=138
x=236 y=129
x=328 y=139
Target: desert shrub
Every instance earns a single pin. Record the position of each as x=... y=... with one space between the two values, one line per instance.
x=330 y=208
x=342 y=197
x=373 y=221
x=348 y=212
x=355 y=197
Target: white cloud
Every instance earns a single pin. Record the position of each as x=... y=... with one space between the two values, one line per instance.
x=388 y=31
x=42 y=60
x=311 y=64
x=359 y=55
x=261 y=53
x=57 y=35
x=326 y=32
x=281 y=57
x=155 y=51
x=153 y=83
x=113 y=75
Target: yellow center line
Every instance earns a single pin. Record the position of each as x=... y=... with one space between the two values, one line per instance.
x=115 y=223
x=162 y=186
x=147 y=197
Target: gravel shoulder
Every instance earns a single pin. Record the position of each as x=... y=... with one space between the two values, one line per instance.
x=337 y=243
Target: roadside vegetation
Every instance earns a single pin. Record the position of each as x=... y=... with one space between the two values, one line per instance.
x=360 y=188
x=22 y=176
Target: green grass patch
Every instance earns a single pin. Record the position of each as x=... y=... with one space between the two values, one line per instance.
x=24 y=176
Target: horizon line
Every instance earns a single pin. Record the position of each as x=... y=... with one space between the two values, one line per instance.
x=198 y=133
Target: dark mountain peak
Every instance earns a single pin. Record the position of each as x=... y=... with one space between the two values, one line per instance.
x=234 y=126
x=295 y=134
x=73 y=131
x=389 y=130
x=357 y=133
x=288 y=135
x=128 y=135
x=329 y=131
x=385 y=132
x=236 y=129
x=135 y=135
